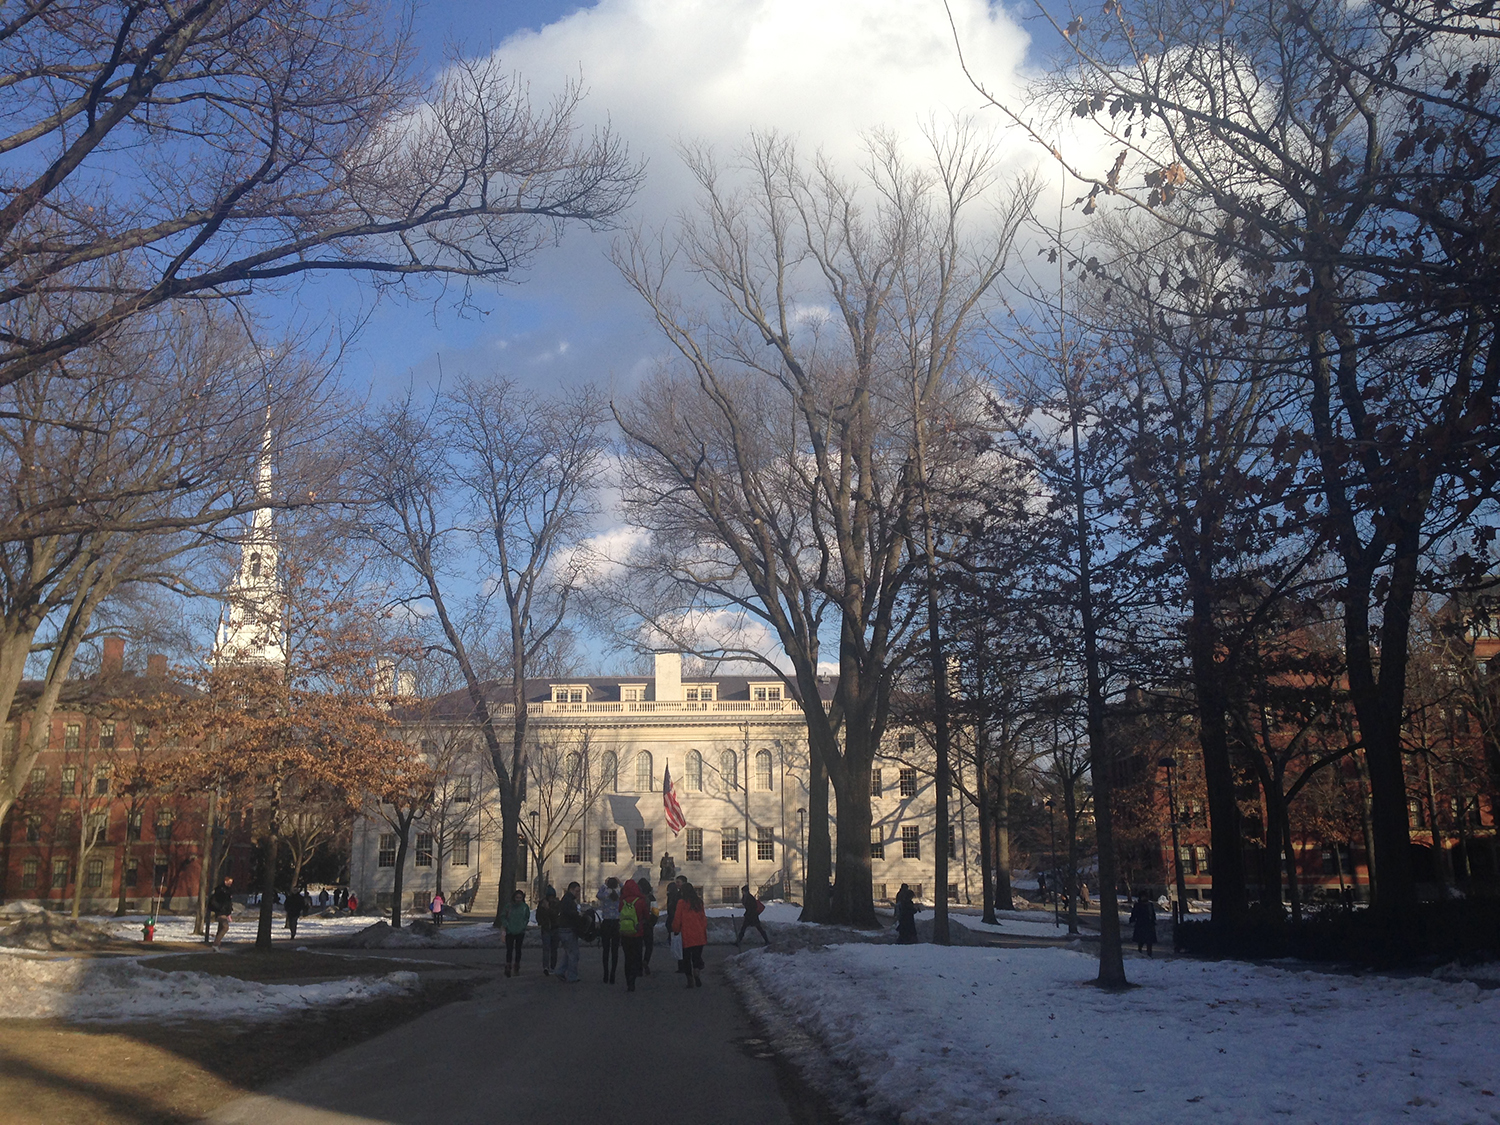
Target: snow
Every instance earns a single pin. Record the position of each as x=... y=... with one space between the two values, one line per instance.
x=122 y=988
x=1013 y=923
x=968 y=1034
x=180 y=927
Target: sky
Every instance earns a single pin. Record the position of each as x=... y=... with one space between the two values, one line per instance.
x=662 y=73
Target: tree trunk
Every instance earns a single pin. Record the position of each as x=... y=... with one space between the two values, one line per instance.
x=817 y=903
x=510 y=840
x=1004 y=893
x=986 y=829
x=1225 y=833
x=1289 y=857
x=943 y=778
x=1366 y=827
x=205 y=865
x=268 y=856
x=1070 y=883
x=403 y=835
x=853 y=895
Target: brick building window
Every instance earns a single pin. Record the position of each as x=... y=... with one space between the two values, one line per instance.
x=132 y=872
x=59 y=874
x=609 y=846
x=71 y=732
x=93 y=874
x=28 y=873
x=98 y=827
x=573 y=846
x=644 y=846
x=424 y=849
x=102 y=777
x=460 y=853
x=911 y=842
x=164 y=819
x=695 y=845
x=877 y=788
x=65 y=825
x=765 y=844
x=908 y=782
x=38 y=780
x=34 y=828
x=385 y=855
x=159 y=873
x=877 y=843
x=133 y=827
x=729 y=845
x=107 y=736
x=69 y=784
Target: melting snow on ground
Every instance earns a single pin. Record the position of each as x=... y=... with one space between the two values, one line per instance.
x=960 y=1035
x=122 y=988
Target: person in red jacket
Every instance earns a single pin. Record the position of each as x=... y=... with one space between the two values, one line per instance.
x=692 y=923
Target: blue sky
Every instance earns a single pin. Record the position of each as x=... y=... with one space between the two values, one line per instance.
x=660 y=72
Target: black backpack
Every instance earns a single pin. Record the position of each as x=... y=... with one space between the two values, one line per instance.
x=588 y=925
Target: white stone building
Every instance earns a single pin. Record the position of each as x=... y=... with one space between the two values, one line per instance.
x=736 y=749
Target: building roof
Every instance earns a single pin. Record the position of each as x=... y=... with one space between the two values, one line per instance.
x=602 y=689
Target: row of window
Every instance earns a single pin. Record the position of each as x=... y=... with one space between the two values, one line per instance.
x=692 y=774
x=911 y=842
x=93 y=873
x=73 y=735
x=67 y=781
x=572 y=849
x=98 y=826
x=423 y=851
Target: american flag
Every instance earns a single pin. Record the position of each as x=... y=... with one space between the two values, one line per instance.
x=675 y=820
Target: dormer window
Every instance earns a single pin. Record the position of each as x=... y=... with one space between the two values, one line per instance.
x=570 y=693
x=632 y=693
x=699 y=693
x=765 y=693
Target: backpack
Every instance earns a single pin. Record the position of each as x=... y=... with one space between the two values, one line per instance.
x=587 y=925
x=629 y=924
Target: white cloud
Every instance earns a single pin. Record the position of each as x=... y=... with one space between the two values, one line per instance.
x=667 y=72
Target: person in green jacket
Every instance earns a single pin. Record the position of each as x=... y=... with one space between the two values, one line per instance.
x=517 y=917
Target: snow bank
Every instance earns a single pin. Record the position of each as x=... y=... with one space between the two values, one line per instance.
x=965 y=1035
x=85 y=989
x=1012 y=925
x=45 y=930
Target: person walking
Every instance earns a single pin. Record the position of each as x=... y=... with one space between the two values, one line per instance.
x=1143 y=925
x=295 y=904
x=906 y=916
x=609 y=927
x=691 y=923
x=634 y=918
x=547 y=921
x=517 y=918
x=436 y=907
x=221 y=910
x=648 y=925
x=674 y=895
x=570 y=922
x=753 y=909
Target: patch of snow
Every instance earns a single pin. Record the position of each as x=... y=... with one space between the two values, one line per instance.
x=1010 y=925
x=180 y=927
x=1488 y=972
x=966 y=1035
x=97 y=989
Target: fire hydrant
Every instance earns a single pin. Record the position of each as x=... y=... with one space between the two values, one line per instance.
x=148 y=930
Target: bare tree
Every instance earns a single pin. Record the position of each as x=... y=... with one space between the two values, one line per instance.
x=503 y=476
x=777 y=474
x=210 y=149
x=567 y=779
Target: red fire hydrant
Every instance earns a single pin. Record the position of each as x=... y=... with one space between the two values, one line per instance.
x=148 y=931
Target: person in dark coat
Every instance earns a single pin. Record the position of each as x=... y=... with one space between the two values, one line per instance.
x=906 y=916
x=752 y=908
x=294 y=908
x=1143 y=925
x=674 y=892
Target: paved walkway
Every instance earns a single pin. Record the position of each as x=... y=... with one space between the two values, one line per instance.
x=532 y=1050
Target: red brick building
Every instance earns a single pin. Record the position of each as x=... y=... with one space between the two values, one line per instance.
x=90 y=818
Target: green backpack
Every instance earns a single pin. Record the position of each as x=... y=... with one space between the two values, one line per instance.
x=630 y=925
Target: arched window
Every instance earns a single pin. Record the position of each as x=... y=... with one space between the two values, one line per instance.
x=610 y=768
x=729 y=769
x=645 y=772
x=255 y=564
x=692 y=779
x=573 y=770
x=764 y=773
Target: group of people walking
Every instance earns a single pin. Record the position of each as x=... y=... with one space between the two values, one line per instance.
x=624 y=921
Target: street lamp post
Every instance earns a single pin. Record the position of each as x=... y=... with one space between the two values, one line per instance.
x=1181 y=904
x=1052 y=854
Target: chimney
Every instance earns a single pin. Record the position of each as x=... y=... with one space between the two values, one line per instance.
x=112 y=663
x=669 y=677
x=156 y=665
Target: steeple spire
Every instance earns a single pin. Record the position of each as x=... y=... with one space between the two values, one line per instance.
x=250 y=631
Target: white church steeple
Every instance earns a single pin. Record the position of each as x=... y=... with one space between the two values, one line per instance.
x=250 y=631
